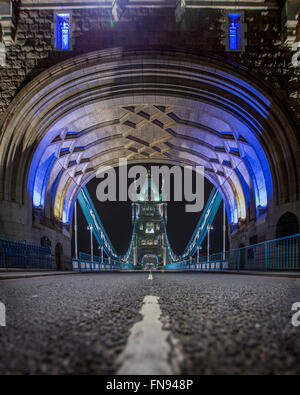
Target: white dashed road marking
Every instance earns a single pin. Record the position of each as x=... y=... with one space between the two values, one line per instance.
x=147 y=349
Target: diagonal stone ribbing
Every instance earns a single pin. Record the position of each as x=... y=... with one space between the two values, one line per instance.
x=148 y=105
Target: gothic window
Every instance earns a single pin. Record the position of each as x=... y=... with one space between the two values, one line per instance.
x=150 y=227
x=62 y=30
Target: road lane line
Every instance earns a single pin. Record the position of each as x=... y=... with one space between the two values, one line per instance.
x=147 y=349
x=150 y=277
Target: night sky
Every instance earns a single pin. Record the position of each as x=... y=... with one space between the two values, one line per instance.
x=116 y=218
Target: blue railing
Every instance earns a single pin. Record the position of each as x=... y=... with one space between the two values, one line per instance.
x=272 y=255
x=194 y=265
x=17 y=254
x=84 y=263
x=88 y=266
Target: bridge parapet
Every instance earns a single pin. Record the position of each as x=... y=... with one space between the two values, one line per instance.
x=272 y=255
x=84 y=265
x=24 y=255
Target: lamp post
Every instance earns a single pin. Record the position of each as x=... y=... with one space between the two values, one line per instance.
x=101 y=252
x=224 y=231
x=134 y=252
x=76 y=231
x=198 y=253
x=164 y=250
x=90 y=228
x=209 y=228
x=102 y=238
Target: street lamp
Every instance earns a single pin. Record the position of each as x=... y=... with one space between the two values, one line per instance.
x=90 y=228
x=101 y=248
x=209 y=228
x=76 y=231
x=198 y=253
x=224 y=231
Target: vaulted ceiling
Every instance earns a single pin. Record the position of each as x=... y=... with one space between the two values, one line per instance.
x=146 y=106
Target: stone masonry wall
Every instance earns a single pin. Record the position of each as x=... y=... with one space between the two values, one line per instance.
x=201 y=31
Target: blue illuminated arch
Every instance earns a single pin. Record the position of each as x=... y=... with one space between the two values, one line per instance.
x=249 y=112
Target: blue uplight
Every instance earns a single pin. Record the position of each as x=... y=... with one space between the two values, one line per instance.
x=41 y=180
x=62 y=31
x=235 y=31
x=260 y=178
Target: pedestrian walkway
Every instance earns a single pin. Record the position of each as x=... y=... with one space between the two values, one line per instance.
x=257 y=273
x=14 y=274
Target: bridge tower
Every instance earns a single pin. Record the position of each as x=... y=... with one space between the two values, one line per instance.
x=150 y=214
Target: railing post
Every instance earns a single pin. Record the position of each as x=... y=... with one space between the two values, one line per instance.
x=266 y=257
x=25 y=254
x=297 y=252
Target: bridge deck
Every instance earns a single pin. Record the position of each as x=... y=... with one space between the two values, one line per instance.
x=214 y=323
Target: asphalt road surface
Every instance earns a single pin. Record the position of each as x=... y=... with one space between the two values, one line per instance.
x=212 y=324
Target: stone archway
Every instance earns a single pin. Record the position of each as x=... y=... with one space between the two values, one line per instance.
x=158 y=106
x=287 y=225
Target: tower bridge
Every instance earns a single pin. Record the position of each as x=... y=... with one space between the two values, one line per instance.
x=199 y=83
x=149 y=241
x=68 y=122
x=68 y=109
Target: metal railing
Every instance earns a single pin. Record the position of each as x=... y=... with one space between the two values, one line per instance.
x=271 y=255
x=88 y=266
x=17 y=254
x=85 y=263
